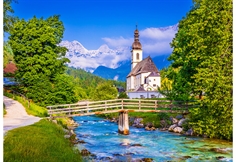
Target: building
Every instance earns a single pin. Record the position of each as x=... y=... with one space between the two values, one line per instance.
x=144 y=79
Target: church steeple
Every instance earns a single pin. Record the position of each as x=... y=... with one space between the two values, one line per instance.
x=136 y=44
x=137 y=53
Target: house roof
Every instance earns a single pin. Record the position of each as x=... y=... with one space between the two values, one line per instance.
x=10 y=68
x=146 y=65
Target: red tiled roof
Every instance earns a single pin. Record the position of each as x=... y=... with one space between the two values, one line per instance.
x=10 y=68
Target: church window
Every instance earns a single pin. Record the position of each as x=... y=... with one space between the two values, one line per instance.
x=154 y=85
x=137 y=56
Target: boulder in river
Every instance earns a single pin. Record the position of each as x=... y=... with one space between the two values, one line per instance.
x=147 y=159
x=178 y=130
x=174 y=121
x=85 y=152
x=136 y=144
x=181 y=121
x=171 y=128
x=189 y=132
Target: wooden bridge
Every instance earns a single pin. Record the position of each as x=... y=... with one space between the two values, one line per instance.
x=121 y=106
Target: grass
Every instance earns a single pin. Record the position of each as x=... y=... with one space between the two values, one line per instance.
x=42 y=141
x=33 y=109
x=4 y=110
x=153 y=118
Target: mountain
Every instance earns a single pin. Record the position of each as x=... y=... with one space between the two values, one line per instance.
x=89 y=60
x=115 y=63
x=121 y=72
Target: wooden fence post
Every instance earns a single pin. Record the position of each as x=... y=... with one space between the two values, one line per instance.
x=139 y=104
x=105 y=105
x=69 y=110
x=50 y=112
x=122 y=103
x=87 y=107
x=155 y=104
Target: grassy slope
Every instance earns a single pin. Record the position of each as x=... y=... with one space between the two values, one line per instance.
x=42 y=141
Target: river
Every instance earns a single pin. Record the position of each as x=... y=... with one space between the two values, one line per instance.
x=104 y=142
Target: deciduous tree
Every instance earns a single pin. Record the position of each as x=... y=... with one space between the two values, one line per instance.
x=202 y=51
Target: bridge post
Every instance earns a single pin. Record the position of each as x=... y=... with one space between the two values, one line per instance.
x=123 y=124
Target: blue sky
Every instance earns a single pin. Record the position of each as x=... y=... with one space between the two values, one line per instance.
x=97 y=22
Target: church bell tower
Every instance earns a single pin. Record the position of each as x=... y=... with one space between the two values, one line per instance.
x=136 y=52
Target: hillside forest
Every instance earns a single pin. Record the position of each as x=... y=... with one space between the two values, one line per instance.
x=201 y=65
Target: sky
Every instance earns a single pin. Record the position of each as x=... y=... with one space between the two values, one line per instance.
x=112 y=22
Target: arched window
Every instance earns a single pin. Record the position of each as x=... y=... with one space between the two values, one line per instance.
x=137 y=56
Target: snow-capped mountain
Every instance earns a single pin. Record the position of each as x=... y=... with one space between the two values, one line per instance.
x=155 y=42
x=89 y=60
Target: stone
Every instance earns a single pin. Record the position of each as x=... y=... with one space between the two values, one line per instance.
x=67 y=136
x=153 y=128
x=81 y=141
x=189 y=132
x=71 y=127
x=163 y=123
x=174 y=121
x=140 y=126
x=179 y=117
x=54 y=121
x=147 y=159
x=219 y=150
x=171 y=128
x=65 y=130
x=138 y=121
x=150 y=125
x=85 y=152
x=136 y=144
x=181 y=121
x=177 y=129
x=147 y=128
x=220 y=157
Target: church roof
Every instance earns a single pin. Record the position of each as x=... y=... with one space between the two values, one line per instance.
x=154 y=74
x=145 y=66
x=140 y=89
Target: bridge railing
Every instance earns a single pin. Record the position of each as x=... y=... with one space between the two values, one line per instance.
x=109 y=106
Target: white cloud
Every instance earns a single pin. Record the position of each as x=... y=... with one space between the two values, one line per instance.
x=118 y=42
x=155 y=41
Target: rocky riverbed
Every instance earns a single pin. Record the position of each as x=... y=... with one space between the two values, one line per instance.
x=101 y=142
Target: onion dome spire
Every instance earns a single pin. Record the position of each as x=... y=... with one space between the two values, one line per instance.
x=136 y=44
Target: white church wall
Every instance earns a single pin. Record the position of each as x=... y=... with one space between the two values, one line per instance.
x=145 y=94
x=154 y=82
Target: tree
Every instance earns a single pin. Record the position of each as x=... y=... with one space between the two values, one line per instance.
x=202 y=52
x=8 y=18
x=34 y=45
x=40 y=61
x=105 y=91
x=8 y=55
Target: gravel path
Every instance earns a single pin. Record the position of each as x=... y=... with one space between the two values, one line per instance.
x=16 y=115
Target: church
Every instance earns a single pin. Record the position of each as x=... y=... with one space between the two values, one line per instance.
x=144 y=78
